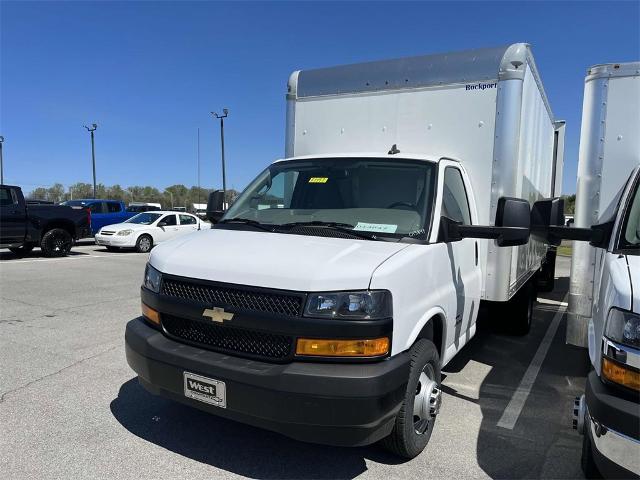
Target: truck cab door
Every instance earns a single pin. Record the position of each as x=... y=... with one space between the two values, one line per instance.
x=466 y=276
x=12 y=217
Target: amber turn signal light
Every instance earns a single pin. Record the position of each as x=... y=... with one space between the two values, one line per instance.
x=374 y=347
x=620 y=374
x=150 y=314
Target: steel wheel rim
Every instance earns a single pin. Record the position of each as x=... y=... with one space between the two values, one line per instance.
x=145 y=244
x=426 y=402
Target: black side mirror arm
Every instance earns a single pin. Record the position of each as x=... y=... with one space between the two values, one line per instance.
x=598 y=235
x=452 y=231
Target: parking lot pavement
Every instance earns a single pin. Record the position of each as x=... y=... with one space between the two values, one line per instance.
x=70 y=407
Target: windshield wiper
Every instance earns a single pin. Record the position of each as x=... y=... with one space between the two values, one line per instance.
x=247 y=221
x=340 y=227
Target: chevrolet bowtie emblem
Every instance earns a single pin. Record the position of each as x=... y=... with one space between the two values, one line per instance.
x=217 y=314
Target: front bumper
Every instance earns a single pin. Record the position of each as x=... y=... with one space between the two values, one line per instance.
x=329 y=403
x=114 y=240
x=613 y=424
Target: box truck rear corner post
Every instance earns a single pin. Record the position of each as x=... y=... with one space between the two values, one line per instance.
x=325 y=302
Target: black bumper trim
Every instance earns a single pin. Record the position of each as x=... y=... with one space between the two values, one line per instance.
x=610 y=408
x=336 y=404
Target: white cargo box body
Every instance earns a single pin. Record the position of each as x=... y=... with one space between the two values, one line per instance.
x=609 y=151
x=485 y=108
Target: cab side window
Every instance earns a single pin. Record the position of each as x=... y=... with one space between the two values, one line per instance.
x=187 y=220
x=113 y=207
x=455 y=203
x=169 y=220
x=96 y=207
x=6 y=198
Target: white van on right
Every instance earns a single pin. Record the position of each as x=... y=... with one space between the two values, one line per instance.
x=604 y=296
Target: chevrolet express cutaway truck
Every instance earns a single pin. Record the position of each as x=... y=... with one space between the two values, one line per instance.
x=325 y=302
x=604 y=291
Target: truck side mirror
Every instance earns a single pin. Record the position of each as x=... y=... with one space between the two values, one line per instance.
x=512 y=225
x=215 y=206
x=547 y=224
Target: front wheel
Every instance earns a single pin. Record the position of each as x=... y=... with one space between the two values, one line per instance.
x=417 y=416
x=56 y=242
x=22 y=249
x=144 y=243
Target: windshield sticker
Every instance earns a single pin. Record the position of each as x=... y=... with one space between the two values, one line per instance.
x=318 y=179
x=376 y=227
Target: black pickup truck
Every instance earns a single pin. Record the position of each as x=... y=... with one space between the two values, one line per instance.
x=53 y=228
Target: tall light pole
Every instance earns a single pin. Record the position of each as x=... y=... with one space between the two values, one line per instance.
x=1 y=166
x=92 y=129
x=225 y=113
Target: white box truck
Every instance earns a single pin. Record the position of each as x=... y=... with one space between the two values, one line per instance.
x=604 y=301
x=326 y=301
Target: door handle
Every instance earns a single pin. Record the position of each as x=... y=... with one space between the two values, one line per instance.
x=476 y=253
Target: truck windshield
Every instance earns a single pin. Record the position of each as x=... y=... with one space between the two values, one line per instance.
x=145 y=218
x=630 y=238
x=381 y=196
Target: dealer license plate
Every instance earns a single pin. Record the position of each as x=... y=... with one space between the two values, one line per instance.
x=205 y=390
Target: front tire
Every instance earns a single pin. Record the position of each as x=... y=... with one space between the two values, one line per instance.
x=22 y=249
x=416 y=418
x=587 y=462
x=56 y=242
x=144 y=244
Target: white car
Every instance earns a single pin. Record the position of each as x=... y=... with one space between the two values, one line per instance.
x=147 y=229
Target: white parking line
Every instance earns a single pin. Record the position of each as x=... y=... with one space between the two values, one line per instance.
x=62 y=259
x=519 y=397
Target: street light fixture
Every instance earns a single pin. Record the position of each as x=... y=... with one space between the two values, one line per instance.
x=1 y=166
x=225 y=114
x=92 y=129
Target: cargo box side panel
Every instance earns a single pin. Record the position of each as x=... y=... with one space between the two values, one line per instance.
x=535 y=170
x=609 y=151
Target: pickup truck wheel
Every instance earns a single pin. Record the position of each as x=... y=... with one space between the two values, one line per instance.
x=416 y=418
x=56 y=242
x=22 y=249
x=144 y=243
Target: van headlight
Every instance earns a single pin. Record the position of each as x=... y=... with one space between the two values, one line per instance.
x=623 y=327
x=365 y=305
x=152 y=279
x=124 y=233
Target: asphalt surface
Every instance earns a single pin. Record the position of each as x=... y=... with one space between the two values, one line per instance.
x=71 y=408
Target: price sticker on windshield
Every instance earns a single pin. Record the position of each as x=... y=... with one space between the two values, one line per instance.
x=318 y=179
x=376 y=227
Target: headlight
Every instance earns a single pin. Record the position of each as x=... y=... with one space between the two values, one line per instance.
x=152 y=279
x=623 y=327
x=357 y=305
x=124 y=233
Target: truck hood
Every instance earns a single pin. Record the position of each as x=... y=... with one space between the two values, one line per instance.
x=281 y=261
x=634 y=273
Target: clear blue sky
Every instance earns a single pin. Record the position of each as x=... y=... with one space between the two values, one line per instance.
x=149 y=74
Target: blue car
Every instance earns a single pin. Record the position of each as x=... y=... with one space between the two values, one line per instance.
x=103 y=212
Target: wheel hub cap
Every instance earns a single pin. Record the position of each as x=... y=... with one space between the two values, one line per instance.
x=426 y=404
